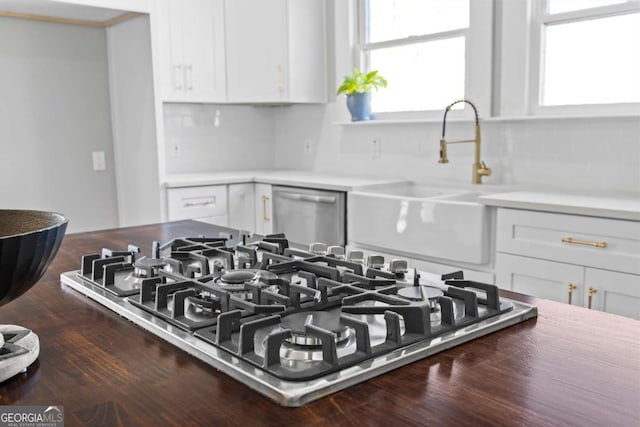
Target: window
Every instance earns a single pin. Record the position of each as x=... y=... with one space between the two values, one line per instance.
x=587 y=54
x=425 y=50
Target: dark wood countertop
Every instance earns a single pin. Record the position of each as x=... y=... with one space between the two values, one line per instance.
x=570 y=366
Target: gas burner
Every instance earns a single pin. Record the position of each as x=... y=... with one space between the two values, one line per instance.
x=202 y=305
x=235 y=282
x=149 y=267
x=187 y=304
x=422 y=293
x=297 y=322
x=144 y=268
x=133 y=280
x=238 y=277
x=119 y=272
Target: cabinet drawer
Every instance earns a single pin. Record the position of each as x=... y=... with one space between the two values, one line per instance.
x=592 y=242
x=540 y=278
x=197 y=202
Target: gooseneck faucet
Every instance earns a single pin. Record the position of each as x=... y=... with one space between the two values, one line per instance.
x=480 y=169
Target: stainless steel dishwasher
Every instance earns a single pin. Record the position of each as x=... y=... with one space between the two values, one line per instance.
x=306 y=215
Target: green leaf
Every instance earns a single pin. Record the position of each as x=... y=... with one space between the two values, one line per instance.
x=360 y=82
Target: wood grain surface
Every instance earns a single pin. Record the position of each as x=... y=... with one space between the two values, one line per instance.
x=570 y=366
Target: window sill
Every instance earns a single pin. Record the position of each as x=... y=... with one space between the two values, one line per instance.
x=385 y=122
x=561 y=117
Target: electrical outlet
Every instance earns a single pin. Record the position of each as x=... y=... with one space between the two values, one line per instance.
x=99 y=162
x=375 y=142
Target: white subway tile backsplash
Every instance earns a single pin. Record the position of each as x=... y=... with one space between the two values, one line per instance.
x=580 y=154
x=210 y=138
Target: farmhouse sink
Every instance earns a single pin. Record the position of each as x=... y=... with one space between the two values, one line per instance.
x=421 y=220
x=410 y=190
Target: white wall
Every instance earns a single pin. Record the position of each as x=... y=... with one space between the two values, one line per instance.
x=601 y=154
x=134 y=122
x=54 y=111
x=241 y=138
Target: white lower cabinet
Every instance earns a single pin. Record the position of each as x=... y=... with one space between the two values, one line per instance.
x=541 y=278
x=244 y=206
x=207 y=204
x=242 y=210
x=613 y=292
x=263 y=209
x=586 y=261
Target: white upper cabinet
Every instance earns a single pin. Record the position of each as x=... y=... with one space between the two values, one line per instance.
x=190 y=34
x=275 y=51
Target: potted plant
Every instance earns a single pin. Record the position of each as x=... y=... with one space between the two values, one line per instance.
x=358 y=89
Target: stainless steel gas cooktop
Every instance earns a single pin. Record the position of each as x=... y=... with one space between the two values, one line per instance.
x=294 y=325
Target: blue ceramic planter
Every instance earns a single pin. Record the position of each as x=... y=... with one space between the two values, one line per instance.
x=359 y=105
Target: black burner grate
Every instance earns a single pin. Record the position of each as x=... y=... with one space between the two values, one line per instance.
x=245 y=299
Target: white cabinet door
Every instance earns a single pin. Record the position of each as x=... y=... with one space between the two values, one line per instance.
x=190 y=35
x=242 y=206
x=256 y=39
x=203 y=50
x=168 y=38
x=275 y=50
x=540 y=278
x=263 y=205
x=613 y=292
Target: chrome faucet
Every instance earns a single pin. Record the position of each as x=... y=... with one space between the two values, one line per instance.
x=480 y=169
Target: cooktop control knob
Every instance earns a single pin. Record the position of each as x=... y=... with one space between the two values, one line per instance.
x=318 y=248
x=375 y=261
x=337 y=251
x=356 y=256
x=398 y=266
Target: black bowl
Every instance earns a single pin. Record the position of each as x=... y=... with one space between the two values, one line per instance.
x=29 y=240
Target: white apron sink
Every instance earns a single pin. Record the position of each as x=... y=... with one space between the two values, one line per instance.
x=423 y=220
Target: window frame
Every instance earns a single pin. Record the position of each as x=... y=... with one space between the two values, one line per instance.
x=539 y=20
x=478 y=38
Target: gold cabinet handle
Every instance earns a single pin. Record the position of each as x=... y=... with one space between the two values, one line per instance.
x=592 y=291
x=571 y=289
x=584 y=242
x=265 y=217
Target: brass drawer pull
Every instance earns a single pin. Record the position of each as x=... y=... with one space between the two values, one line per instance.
x=571 y=288
x=265 y=217
x=592 y=291
x=584 y=242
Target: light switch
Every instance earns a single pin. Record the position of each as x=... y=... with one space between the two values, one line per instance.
x=99 y=163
